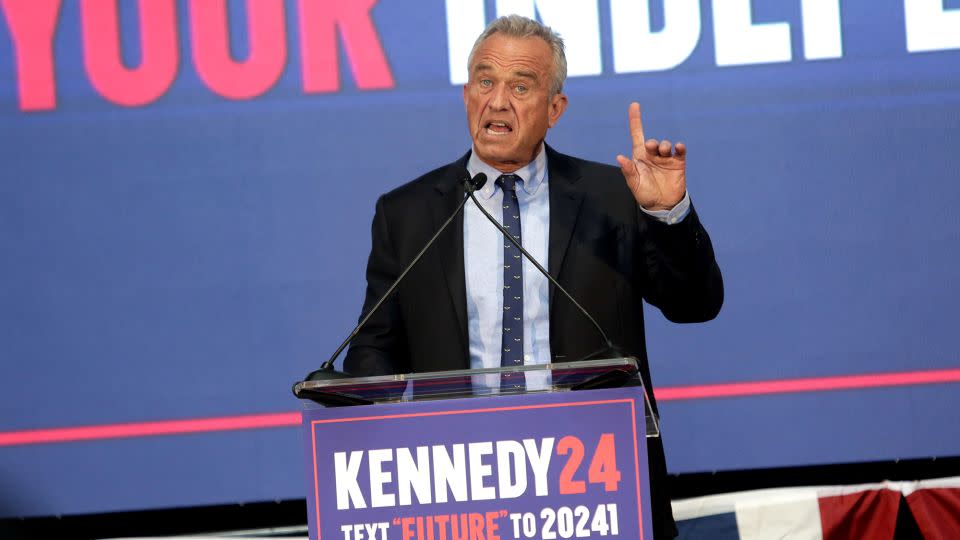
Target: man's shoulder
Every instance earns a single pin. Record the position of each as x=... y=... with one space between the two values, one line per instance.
x=599 y=176
x=576 y=166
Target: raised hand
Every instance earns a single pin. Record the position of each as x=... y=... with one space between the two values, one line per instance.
x=657 y=172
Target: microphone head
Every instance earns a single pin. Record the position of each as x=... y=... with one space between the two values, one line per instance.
x=477 y=181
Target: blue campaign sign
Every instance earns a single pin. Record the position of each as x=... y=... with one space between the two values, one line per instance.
x=557 y=465
x=187 y=188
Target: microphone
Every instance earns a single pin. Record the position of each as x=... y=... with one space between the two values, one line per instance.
x=475 y=183
x=326 y=371
x=609 y=347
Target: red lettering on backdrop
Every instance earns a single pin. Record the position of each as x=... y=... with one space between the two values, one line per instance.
x=33 y=24
x=158 y=46
x=319 y=22
x=211 y=48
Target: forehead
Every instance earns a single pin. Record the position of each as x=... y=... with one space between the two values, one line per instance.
x=499 y=52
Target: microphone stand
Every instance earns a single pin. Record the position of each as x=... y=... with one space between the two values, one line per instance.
x=326 y=371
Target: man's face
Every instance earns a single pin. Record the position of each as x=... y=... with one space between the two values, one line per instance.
x=508 y=100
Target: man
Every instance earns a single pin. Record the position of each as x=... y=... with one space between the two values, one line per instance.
x=612 y=238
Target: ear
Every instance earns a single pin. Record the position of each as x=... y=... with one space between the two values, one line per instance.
x=465 y=95
x=558 y=104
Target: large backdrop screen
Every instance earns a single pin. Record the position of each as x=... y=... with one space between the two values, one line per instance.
x=186 y=189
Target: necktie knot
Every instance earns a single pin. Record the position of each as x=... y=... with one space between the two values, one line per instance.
x=508 y=182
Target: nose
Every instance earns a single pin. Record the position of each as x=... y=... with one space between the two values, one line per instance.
x=499 y=98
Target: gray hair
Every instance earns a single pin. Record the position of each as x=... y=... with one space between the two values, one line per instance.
x=521 y=27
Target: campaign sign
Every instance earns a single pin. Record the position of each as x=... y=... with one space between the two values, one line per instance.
x=551 y=465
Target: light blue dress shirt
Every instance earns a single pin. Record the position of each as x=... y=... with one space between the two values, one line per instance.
x=483 y=263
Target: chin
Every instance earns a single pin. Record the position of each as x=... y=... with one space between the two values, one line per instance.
x=499 y=152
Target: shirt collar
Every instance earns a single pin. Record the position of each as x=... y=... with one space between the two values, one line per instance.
x=533 y=173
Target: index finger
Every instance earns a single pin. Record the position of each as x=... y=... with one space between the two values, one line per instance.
x=636 y=129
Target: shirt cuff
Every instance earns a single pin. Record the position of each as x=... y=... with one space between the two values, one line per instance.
x=674 y=215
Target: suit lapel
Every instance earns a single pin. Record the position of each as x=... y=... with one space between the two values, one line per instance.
x=565 y=201
x=450 y=244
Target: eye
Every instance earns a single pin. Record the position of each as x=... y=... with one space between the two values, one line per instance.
x=486 y=83
x=522 y=89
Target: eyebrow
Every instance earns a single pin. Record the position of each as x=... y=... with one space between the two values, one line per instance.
x=522 y=73
x=526 y=74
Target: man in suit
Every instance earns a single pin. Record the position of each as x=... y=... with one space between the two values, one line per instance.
x=612 y=236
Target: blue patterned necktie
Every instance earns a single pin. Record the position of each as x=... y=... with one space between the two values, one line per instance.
x=512 y=337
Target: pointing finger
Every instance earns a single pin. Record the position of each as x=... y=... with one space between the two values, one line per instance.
x=636 y=128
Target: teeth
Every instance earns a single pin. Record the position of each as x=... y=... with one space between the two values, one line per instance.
x=501 y=128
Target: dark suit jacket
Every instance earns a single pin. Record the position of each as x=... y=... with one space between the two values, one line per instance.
x=603 y=249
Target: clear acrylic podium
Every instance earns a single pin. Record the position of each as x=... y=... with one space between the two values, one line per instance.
x=470 y=383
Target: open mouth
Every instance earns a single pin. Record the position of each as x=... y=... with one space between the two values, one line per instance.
x=498 y=128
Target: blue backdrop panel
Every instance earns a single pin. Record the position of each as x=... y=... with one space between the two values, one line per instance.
x=192 y=255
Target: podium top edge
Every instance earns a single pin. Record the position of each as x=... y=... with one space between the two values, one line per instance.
x=630 y=363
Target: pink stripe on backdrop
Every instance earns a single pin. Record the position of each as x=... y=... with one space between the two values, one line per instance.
x=291 y=419
x=813 y=384
x=145 y=429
